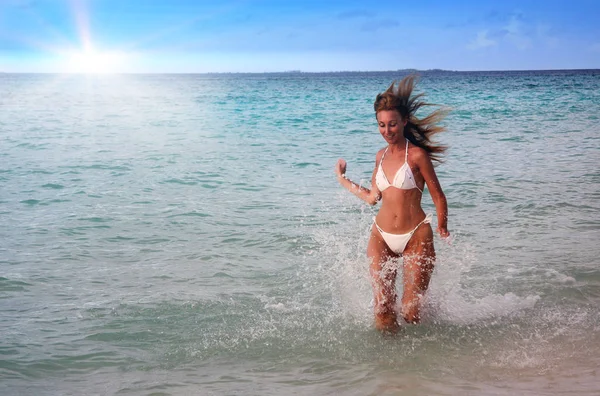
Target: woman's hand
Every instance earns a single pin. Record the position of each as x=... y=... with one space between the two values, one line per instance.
x=340 y=168
x=444 y=234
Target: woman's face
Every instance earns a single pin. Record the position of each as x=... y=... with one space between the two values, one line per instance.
x=391 y=125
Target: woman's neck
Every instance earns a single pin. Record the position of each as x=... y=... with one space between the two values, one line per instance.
x=399 y=146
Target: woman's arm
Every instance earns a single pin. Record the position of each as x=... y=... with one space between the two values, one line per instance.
x=370 y=196
x=437 y=195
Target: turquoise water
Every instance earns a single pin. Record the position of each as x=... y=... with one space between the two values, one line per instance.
x=185 y=234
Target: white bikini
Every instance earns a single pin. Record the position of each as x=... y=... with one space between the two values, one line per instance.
x=403 y=180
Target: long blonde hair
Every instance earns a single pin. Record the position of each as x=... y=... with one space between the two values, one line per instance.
x=418 y=131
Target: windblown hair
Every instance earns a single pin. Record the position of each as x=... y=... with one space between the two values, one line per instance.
x=418 y=131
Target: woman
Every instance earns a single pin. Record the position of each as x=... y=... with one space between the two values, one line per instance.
x=401 y=228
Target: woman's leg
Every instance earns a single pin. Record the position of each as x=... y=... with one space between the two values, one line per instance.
x=419 y=260
x=383 y=279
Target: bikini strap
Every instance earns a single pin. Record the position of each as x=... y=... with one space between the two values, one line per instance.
x=406 y=154
x=381 y=160
x=426 y=220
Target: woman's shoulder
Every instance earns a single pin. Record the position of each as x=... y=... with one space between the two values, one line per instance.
x=380 y=154
x=417 y=153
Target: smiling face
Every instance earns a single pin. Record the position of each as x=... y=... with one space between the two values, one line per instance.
x=391 y=125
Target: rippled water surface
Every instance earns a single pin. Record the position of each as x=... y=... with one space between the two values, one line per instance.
x=185 y=234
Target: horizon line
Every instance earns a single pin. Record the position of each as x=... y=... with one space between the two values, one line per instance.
x=409 y=70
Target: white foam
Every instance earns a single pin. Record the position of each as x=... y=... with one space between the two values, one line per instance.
x=455 y=294
x=277 y=307
x=560 y=278
x=457 y=308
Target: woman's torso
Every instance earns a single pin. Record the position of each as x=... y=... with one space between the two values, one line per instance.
x=401 y=190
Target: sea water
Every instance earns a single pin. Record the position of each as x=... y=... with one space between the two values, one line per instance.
x=185 y=234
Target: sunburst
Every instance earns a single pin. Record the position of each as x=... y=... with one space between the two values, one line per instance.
x=92 y=61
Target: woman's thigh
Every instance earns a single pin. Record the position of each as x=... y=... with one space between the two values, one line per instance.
x=419 y=261
x=383 y=267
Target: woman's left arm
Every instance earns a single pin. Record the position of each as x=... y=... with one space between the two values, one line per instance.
x=437 y=194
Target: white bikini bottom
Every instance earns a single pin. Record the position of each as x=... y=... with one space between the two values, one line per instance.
x=397 y=242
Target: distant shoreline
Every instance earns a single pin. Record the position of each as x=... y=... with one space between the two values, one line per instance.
x=345 y=72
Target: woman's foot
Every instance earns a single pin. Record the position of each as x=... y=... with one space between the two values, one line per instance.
x=386 y=323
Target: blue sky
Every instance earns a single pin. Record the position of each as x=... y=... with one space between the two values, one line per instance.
x=268 y=35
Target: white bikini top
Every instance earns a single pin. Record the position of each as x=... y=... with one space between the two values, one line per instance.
x=404 y=178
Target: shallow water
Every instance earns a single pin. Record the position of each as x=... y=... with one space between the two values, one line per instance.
x=185 y=234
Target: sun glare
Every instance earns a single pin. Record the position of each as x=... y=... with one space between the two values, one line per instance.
x=93 y=62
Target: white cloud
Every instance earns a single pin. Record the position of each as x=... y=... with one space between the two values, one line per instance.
x=512 y=32
x=481 y=41
x=544 y=33
x=515 y=34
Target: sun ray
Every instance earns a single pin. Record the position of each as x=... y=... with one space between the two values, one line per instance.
x=80 y=53
x=81 y=16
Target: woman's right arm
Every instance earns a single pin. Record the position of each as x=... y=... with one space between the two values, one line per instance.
x=370 y=196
